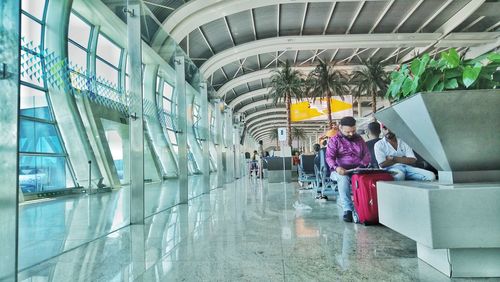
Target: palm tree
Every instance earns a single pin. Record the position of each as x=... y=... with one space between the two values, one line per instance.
x=324 y=82
x=298 y=133
x=274 y=136
x=371 y=80
x=285 y=85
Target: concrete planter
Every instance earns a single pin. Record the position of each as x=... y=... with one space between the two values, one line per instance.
x=454 y=220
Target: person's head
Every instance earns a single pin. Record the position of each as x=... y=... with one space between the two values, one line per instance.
x=348 y=127
x=316 y=147
x=297 y=153
x=374 y=129
x=255 y=152
x=324 y=143
x=261 y=142
x=387 y=132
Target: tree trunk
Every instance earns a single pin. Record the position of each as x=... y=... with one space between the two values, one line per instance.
x=374 y=102
x=288 y=99
x=329 y=109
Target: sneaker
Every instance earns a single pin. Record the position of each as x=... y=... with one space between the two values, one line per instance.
x=348 y=216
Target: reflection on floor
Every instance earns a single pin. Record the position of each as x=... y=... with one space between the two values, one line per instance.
x=246 y=231
x=51 y=226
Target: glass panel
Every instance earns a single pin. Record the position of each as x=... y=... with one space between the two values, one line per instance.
x=34 y=103
x=79 y=31
x=116 y=146
x=108 y=50
x=41 y=173
x=172 y=137
x=106 y=72
x=167 y=91
x=38 y=137
x=77 y=56
x=167 y=105
x=33 y=7
x=31 y=69
x=31 y=30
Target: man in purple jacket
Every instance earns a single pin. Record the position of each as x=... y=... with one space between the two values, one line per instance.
x=344 y=151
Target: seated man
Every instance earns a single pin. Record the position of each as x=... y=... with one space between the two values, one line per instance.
x=344 y=151
x=373 y=134
x=394 y=155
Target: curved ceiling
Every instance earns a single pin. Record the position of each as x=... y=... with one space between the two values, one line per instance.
x=238 y=43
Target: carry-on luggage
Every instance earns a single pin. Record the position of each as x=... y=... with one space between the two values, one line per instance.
x=364 y=191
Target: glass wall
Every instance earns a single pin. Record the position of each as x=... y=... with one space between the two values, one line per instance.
x=43 y=163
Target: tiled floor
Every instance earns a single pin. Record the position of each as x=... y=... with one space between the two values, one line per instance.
x=246 y=231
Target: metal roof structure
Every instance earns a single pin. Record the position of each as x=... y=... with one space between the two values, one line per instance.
x=237 y=44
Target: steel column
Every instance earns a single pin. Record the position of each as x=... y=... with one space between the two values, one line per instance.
x=205 y=135
x=9 y=83
x=181 y=114
x=136 y=114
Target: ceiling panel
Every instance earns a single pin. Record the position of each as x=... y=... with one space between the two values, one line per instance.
x=445 y=15
x=241 y=27
x=491 y=14
x=291 y=18
x=421 y=15
x=265 y=21
x=217 y=35
x=317 y=15
x=344 y=53
x=368 y=16
x=198 y=47
x=266 y=58
x=342 y=16
x=394 y=16
x=254 y=85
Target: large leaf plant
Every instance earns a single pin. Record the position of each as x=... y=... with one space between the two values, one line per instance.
x=449 y=72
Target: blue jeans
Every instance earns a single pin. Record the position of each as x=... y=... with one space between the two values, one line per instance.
x=344 y=185
x=408 y=172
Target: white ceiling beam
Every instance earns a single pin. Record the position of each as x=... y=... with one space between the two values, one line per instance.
x=447 y=27
x=258 y=104
x=304 y=18
x=473 y=23
x=264 y=112
x=278 y=21
x=247 y=96
x=474 y=52
x=280 y=115
x=199 y=12
x=253 y=25
x=492 y=27
x=334 y=54
x=315 y=42
x=329 y=18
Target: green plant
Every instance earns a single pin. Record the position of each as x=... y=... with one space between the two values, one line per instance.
x=298 y=133
x=323 y=82
x=285 y=85
x=450 y=72
x=274 y=136
x=372 y=80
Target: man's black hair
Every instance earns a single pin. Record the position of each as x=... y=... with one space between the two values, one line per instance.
x=374 y=128
x=316 y=147
x=325 y=142
x=348 y=121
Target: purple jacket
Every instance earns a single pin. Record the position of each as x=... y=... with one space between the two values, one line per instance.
x=346 y=153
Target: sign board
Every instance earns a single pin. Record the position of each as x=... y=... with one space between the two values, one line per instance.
x=308 y=110
x=282 y=134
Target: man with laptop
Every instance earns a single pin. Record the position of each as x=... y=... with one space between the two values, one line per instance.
x=394 y=155
x=346 y=151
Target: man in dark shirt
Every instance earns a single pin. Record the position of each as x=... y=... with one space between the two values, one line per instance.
x=373 y=135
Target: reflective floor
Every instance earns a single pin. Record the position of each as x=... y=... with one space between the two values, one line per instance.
x=246 y=231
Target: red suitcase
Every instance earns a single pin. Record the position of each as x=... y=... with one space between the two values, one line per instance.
x=364 y=190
